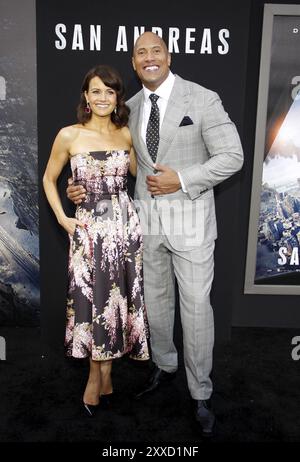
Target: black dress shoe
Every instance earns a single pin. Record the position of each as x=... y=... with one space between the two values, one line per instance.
x=157 y=377
x=90 y=409
x=205 y=417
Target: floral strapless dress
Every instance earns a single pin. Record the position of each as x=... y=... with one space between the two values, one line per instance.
x=106 y=315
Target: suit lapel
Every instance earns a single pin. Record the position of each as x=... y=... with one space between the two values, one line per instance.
x=176 y=109
x=136 y=116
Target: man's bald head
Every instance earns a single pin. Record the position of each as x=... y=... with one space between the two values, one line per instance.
x=150 y=36
x=151 y=60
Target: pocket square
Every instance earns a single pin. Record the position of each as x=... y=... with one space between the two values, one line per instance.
x=186 y=121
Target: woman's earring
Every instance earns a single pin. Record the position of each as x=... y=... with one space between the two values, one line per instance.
x=115 y=110
x=87 y=108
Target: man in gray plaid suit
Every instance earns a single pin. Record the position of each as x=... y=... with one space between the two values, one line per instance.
x=185 y=145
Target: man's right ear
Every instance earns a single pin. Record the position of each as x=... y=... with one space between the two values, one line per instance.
x=133 y=63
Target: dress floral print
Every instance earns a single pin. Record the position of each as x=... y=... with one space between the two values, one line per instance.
x=105 y=308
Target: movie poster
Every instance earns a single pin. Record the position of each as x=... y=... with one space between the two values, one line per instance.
x=278 y=227
x=19 y=218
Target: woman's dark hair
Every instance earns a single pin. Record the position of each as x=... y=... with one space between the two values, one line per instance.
x=111 y=78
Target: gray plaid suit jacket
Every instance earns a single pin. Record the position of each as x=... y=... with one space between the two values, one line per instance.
x=198 y=139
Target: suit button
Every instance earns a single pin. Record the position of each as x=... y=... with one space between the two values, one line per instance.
x=152 y=196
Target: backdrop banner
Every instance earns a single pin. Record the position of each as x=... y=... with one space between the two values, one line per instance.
x=19 y=246
x=208 y=45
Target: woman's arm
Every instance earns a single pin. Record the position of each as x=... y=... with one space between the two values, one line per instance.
x=58 y=158
x=132 y=165
x=132 y=155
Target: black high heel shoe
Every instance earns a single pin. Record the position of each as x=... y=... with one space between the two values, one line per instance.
x=91 y=409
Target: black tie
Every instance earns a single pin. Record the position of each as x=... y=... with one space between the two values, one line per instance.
x=152 y=133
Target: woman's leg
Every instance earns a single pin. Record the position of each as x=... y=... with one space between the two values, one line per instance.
x=93 y=387
x=105 y=373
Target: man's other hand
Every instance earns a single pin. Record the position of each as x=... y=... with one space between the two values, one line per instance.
x=165 y=183
x=77 y=193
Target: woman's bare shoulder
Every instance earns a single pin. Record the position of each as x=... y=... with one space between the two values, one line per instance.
x=69 y=133
x=126 y=133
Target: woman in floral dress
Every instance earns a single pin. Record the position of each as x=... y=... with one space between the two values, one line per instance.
x=105 y=307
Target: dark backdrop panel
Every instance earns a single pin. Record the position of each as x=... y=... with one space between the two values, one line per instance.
x=256 y=310
x=60 y=73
